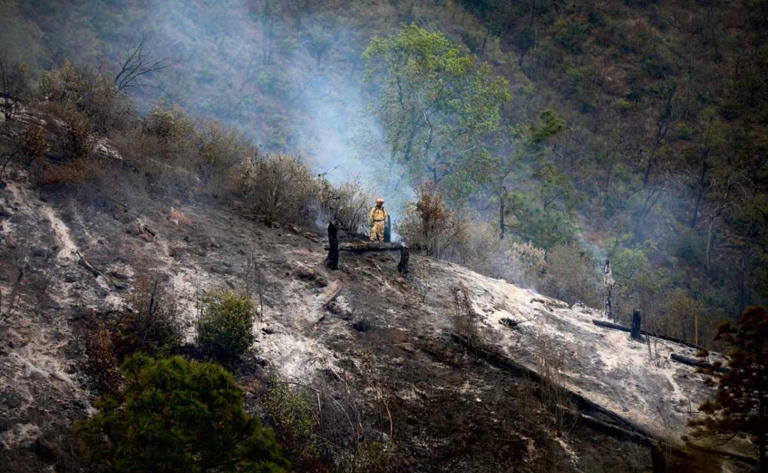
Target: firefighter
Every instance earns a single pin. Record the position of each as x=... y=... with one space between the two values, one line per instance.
x=378 y=221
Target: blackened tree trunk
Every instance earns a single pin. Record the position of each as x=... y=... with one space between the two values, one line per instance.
x=402 y=267
x=333 y=246
x=636 y=325
x=762 y=435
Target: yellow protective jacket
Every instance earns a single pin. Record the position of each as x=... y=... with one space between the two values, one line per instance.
x=378 y=214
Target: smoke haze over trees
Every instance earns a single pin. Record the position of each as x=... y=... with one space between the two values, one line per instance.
x=629 y=130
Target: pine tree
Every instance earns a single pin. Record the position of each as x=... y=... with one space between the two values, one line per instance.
x=740 y=405
x=174 y=415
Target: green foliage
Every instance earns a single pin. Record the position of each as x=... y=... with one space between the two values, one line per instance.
x=740 y=405
x=169 y=124
x=294 y=420
x=177 y=415
x=225 y=324
x=436 y=103
x=86 y=94
x=219 y=150
x=546 y=225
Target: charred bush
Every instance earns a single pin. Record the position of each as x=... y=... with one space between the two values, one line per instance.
x=151 y=325
x=346 y=204
x=465 y=316
x=430 y=225
x=571 y=275
x=279 y=189
x=102 y=362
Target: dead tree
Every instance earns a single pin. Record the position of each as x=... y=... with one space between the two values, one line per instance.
x=608 y=283
x=333 y=246
x=136 y=66
x=365 y=247
x=402 y=266
x=635 y=333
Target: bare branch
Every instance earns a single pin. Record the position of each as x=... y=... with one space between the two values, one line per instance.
x=137 y=66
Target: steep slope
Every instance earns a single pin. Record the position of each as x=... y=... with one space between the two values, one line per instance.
x=385 y=341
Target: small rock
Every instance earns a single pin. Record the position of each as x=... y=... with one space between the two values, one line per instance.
x=335 y=308
x=38 y=252
x=146 y=237
x=507 y=322
x=222 y=268
x=116 y=273
x=10 y=399
x=306 y=273
x=361 y=325
x=48 y=449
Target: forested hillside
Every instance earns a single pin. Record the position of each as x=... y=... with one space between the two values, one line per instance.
x=549 y=135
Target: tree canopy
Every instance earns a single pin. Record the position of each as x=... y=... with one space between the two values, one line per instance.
x=741 y=402
x=437 y=104
x=174 y=415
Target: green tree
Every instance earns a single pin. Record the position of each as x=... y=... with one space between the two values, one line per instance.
x=741 y=402
x=514 y=150
x=438 y=106
x=224 y=329
x=174 y=415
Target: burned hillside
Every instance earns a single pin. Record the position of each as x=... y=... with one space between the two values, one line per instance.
x=438 y=369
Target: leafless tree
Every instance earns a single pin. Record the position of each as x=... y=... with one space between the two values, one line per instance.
x=137 y=66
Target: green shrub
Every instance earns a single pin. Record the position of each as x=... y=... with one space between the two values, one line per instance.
x=88 y=93
x=225 y=324
x=169 y=124
x=177 y=415
x=219 y=150
x=294 y=420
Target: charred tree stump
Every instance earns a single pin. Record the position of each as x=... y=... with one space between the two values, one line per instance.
x=388 y=231
x=333 y=246
x=402 y=267
x=635 y=333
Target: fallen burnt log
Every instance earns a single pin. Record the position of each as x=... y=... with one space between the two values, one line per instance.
x=611 y=325
x=697 y=363
x=587 y=410
x=363 y=247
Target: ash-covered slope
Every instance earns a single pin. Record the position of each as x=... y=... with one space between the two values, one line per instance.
x=385 y=337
